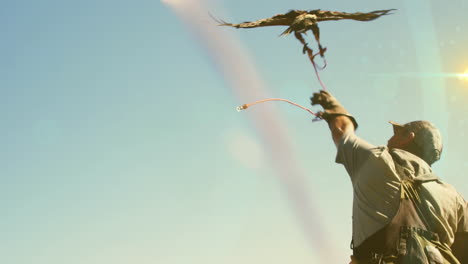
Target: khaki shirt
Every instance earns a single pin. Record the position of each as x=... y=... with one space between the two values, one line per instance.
x=376 y=190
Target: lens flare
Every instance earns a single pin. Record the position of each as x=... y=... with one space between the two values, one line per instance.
x=463 y=76
x=227 y=55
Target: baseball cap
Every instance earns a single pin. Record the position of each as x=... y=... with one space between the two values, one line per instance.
x=427 y=138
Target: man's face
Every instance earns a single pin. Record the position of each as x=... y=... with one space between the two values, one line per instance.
x=400 y=138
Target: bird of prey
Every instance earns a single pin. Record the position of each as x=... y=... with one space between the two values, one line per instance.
x=300 y=21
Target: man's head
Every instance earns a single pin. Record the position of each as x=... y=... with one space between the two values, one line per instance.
x=421 y=138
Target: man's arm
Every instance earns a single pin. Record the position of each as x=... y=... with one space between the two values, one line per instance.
x=339 y=120
x=339 y=126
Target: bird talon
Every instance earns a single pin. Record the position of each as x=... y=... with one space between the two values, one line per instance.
x=322 y=50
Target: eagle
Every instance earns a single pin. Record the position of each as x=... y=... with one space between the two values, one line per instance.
x=301 y=21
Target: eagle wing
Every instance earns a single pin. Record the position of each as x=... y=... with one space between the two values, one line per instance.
x=277 y=20
x=334 y=15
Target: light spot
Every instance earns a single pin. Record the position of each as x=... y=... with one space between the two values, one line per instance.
x=178 y=2
x=463 y=76
x=244 y=149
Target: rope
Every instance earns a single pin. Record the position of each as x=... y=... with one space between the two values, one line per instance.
x=311 y=57
x=245 y=106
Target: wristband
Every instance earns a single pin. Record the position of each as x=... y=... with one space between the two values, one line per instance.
x=328 y=116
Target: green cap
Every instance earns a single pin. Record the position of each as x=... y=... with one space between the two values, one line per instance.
x=427 y=139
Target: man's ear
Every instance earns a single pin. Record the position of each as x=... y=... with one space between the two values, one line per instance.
x=410 y=137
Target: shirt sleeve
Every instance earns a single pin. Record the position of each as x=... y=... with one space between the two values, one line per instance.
x=353 y=152
x=462 y=226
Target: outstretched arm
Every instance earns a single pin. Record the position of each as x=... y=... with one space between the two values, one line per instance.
x=339 y=120
x=339 y=126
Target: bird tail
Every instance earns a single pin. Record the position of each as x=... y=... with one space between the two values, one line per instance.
x=220 y=22
x=384 y=12
x=288 y=31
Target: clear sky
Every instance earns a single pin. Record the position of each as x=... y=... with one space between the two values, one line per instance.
x=121 y=142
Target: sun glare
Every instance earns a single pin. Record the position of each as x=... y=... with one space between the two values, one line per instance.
x=463 y=76
x=175 y=2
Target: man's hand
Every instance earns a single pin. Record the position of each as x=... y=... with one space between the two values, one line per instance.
x=339 y=120
x=328 y=102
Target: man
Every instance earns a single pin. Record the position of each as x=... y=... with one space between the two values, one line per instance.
x=402 y=212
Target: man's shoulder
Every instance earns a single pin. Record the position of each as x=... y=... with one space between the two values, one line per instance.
x=354 y=148
x=418 y=167
x=352 y=140
x=449 y=188
x=414 y=164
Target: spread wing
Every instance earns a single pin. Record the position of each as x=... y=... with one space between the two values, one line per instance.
x=277 y=20
x=334 y=15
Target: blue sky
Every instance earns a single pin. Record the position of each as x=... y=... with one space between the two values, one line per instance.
x=121 y=143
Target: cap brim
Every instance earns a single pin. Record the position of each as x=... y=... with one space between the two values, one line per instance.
x=396 y=126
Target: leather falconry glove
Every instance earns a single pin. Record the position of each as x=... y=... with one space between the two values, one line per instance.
x=331 y=107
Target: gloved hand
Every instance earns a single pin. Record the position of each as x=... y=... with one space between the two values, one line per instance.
x=328 y=102
x=332 y=107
